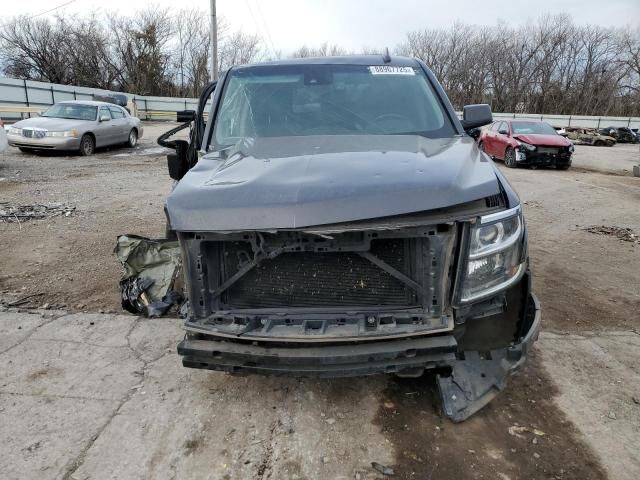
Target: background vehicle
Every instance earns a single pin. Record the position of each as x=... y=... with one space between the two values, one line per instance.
x=3 y=137
x=526 y=142
x=561 y=131
x=589 y=136
x=621 y=134
x=340 y=222
x=77 y=125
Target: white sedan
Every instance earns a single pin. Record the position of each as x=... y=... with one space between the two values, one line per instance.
x=3 y=137
x=76 y=125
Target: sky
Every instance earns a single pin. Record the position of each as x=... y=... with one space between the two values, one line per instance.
x=285 y=25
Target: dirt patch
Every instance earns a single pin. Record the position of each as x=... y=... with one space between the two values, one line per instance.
x=44 y=373
x=193 y=445
x=520 y=434
x=570 y=304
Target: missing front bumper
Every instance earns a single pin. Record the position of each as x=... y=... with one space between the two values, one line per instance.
x=477 y=379
x=474 y=380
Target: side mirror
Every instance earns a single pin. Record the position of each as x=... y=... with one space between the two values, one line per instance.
x=177 y=163
x=105 y=118
x=503 y=131
x=474 y=116
x=186 y=116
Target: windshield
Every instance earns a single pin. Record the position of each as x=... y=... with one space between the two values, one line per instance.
x=72 y=111
x=299 y=100
x=539 y=128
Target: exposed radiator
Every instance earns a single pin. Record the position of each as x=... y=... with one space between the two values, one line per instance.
x=309 y=279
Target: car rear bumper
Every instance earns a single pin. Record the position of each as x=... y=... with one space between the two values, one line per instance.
x=47 y=143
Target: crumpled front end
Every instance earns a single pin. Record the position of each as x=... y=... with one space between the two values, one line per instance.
x=395 y=295
x=543 y=156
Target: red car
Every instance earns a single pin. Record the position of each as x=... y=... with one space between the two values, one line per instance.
x=526 y=142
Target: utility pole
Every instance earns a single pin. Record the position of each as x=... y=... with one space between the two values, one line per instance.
x=214 y=42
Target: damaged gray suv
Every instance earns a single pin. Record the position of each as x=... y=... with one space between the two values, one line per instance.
x=336 y=219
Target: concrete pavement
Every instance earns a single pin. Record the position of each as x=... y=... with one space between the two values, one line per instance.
x=97 y=396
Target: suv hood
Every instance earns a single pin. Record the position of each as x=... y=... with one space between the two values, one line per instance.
x=292 y=182
x=545 y=140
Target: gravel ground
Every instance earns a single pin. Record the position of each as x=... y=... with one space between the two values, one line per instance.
x=85 y=395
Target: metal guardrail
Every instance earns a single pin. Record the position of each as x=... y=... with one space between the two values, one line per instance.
x=20 y=98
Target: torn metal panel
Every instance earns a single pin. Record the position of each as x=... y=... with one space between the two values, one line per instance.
x=151 y=282
x=477 y=378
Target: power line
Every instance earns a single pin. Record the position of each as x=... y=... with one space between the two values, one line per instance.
x=39 y=14
x=258 y=29
x=266 y=27
x=51 y=10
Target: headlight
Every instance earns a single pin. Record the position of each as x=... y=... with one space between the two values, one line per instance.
x=495 y=255
x=526 y=146
x=68 y=133
x=15 y=131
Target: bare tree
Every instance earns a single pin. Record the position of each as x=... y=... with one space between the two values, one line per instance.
x=35 y=49
x=324 y=50
x=140 y=54
x=550 y=66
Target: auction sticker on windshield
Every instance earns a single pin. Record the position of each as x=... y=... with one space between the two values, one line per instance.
x=390 y=70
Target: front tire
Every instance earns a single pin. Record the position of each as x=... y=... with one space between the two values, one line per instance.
x=25 y=150
x=563 y=167
x=87 y=145
x=132 y=141
x=510 y=158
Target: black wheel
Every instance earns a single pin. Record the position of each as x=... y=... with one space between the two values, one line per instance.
x=132 y=141
x=25 y=150
x=510 y=158
x=599 y=143
x=87 y=145
x=563 y=167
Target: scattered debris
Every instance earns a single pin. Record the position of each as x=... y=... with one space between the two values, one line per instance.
x=636 y=400
x=22 y=213
x=23 y=300
x=383 y=469
x=622 y=233
x=516 y=430
x=612 y=415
